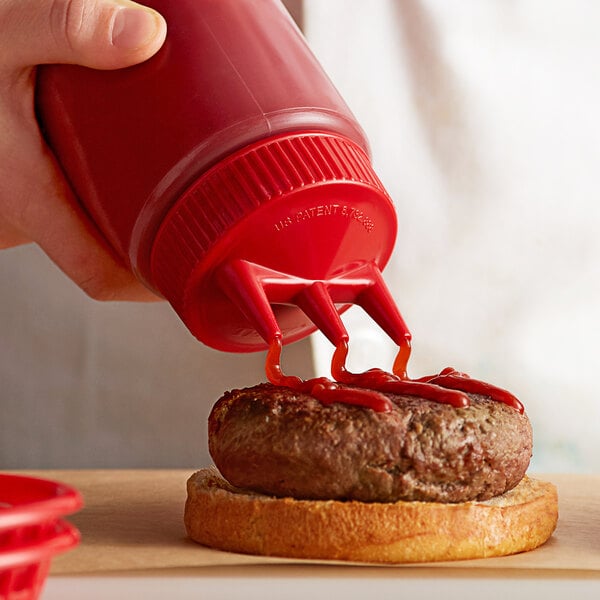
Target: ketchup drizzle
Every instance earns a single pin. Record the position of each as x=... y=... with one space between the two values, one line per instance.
x=323 y=389
x=367 y=389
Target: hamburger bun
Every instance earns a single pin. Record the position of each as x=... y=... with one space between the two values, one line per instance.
x=220 y=516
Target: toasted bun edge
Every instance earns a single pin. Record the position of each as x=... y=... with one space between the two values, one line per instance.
x=220 y=516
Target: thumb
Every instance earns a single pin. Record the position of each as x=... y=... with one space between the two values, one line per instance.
x=102 y=34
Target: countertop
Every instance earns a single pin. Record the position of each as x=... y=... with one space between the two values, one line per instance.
x=134 y=542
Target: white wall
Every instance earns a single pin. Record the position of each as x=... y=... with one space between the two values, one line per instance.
x=86 y=384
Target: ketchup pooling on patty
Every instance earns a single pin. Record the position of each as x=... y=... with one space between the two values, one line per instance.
x=368 y=389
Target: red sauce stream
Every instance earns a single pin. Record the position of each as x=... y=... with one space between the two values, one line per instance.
x=368 y=389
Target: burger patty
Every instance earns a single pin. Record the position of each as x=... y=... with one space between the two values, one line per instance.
x=280 y=442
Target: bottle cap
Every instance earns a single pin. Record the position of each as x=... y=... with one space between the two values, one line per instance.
x=278 y=238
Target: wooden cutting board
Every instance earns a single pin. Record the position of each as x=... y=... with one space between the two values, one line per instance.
x=133 y=521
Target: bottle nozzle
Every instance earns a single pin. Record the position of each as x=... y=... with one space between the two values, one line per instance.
x=253 y=289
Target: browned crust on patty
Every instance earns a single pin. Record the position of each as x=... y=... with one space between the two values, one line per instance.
x=283 y=443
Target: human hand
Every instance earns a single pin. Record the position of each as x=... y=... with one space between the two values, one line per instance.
x=36 y=204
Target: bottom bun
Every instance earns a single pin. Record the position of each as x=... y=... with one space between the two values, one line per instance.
x=223 y=517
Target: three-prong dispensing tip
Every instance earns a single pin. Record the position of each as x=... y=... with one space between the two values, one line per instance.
x=254 y=289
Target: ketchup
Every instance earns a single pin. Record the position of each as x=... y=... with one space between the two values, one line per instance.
x=368 y=389
x=323 y=389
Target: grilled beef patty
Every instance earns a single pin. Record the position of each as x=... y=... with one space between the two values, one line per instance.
x=280 y=442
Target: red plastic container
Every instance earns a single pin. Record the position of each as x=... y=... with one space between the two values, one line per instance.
x=226 y=161
x=32 y=532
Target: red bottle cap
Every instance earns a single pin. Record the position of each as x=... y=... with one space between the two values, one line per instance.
x=279 y=238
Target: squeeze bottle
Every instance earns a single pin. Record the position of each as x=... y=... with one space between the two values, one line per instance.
x=229 y=175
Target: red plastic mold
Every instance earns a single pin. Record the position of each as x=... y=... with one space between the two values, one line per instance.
x=32 y=532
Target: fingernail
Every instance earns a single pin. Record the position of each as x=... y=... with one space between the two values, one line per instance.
x=133 y=27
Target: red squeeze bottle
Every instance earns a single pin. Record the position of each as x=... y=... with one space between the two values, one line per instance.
x=229 y=175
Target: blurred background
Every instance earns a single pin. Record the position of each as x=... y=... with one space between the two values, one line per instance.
x=484 y=122
x=484 y=127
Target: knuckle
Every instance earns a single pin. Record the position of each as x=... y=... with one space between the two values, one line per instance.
x=110 y=283
x=67 y=19
x=96 y=286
